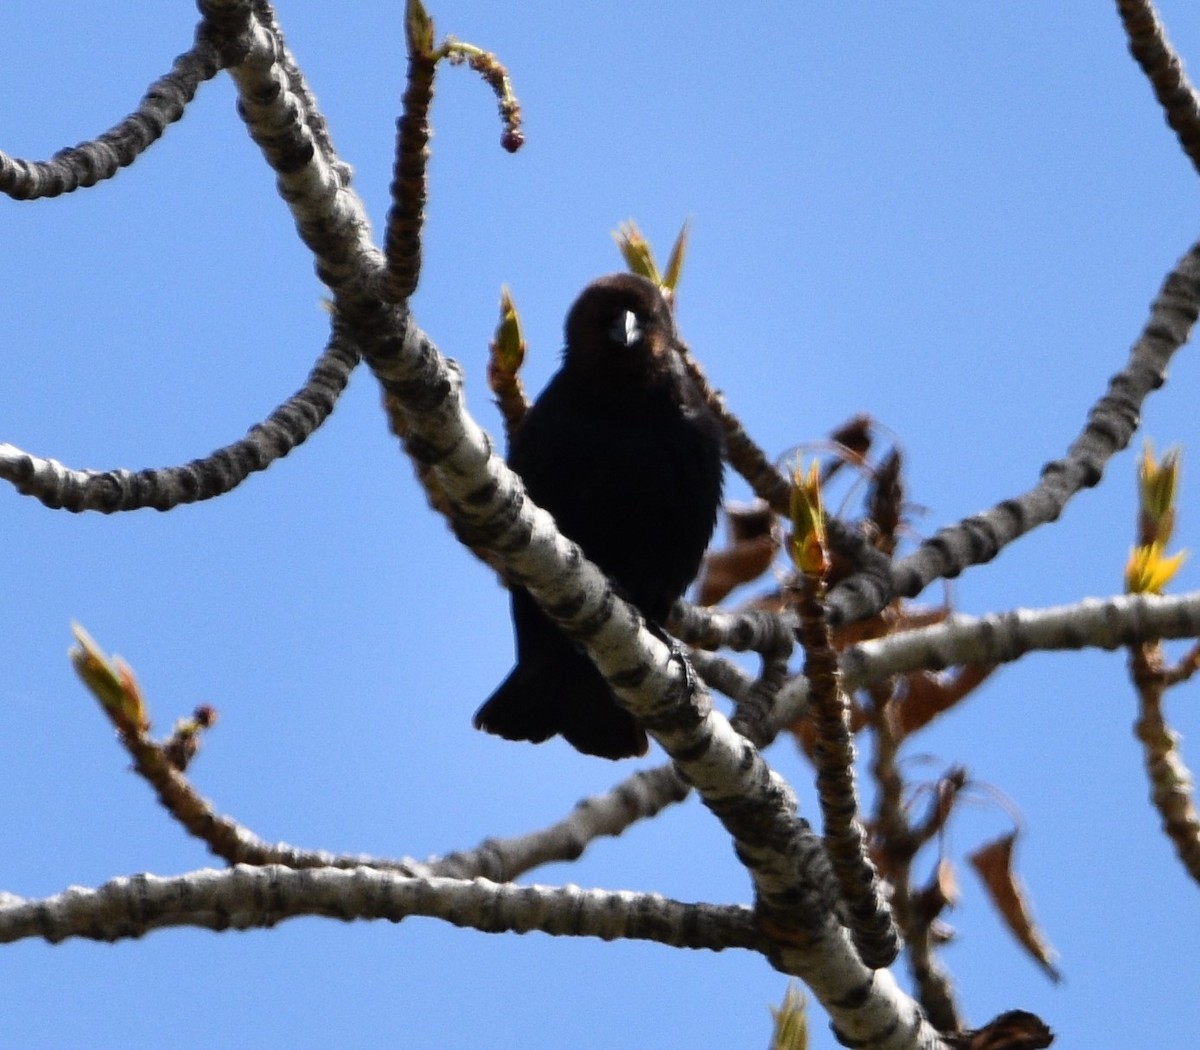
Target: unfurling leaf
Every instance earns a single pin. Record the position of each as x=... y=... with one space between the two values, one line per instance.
x=639 y=258
x=112 y=682
x=928 y=694
x=418 y=28
x=808 y=550
x=508 y=348
x=994 y=863
x=1149 y=570
x=637 y=253
x=504 y=363
x=791 y=1022
x=1158 y=483
x=670 y=281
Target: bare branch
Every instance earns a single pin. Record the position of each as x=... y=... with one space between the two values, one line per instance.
x=101 y=158
x=868 y=915
x=795 y=892
x=1092 y=623
x=740 y=449
x=752 y=631
x=1163 y=67
x=244 y=897
x=402 y=238
x=643 y=795
x=293 y=422
x=1111 y=423
x=1172 y=788
x=281 y=116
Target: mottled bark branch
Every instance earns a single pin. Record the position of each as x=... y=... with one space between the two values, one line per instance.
x=63 y=488
x=243 y=898
x=1111 y=424
x=90 y=162
x=1163 y=67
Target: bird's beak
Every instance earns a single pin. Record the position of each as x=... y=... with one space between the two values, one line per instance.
x=625 y=330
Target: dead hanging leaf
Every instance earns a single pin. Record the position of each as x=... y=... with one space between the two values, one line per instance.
x=754 y=541
x=927 y=695
x=1012 y=1030
x=941 y=893
x=854 y=440
x=885 y=502
x=994 y=863
x=727 y=569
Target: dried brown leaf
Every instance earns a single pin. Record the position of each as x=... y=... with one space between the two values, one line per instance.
x=928 y=694
x=754 y=541
x=941 y=892
x=727 y=569
x=854 y=439
x=994 y=863
x=1012 y=1030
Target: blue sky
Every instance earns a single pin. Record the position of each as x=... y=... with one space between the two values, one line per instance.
x=951 y=216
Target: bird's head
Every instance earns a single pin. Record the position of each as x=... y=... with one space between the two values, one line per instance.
x=620 y=329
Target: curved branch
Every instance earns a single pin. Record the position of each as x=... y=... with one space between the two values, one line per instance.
x=101 y=158
x=313 y=118
x=292 y=423
x=1111 y=424
x=162 y=766
x=1149 y=45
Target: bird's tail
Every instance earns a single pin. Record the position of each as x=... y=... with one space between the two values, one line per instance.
x=567 y=695
x=521 y=708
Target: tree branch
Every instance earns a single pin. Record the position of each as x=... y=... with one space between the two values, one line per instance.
x=245 y=897
x=102 y=157
x=1163 y=67
x=643 y=795
x=1093 y=623
x=292 y=423
x=1111 y=424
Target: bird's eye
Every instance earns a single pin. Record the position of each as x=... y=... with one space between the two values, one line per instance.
x=625 y=330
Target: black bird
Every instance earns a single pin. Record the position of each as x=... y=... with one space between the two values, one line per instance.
x=621 y=449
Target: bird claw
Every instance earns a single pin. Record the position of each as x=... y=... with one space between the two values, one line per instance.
x=690 y=681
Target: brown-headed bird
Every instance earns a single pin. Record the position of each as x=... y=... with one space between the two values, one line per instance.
x=621 y=449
